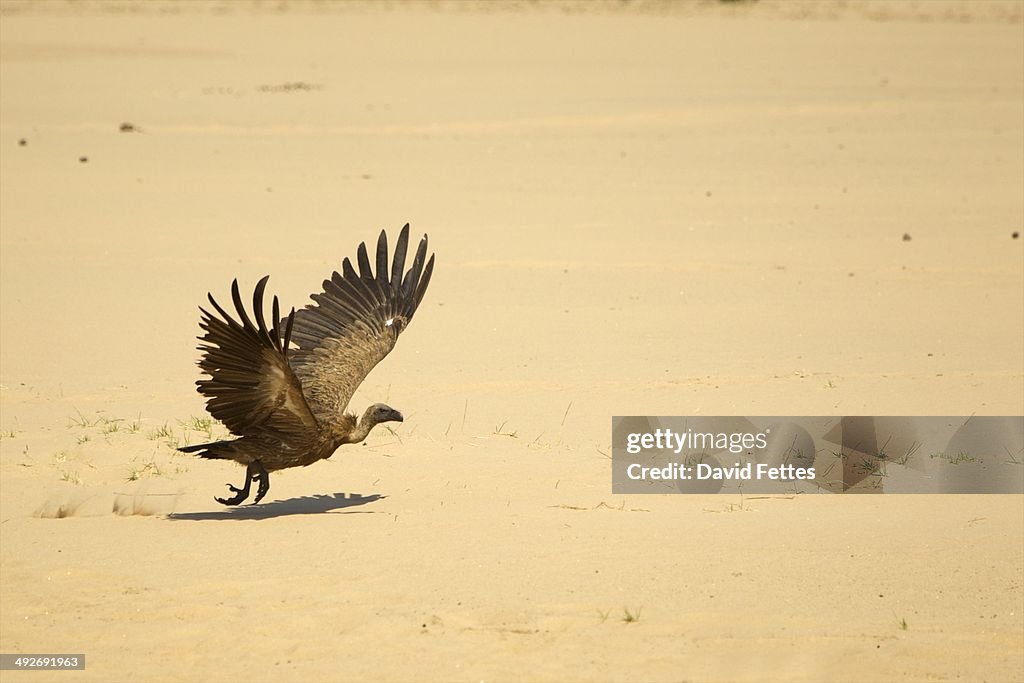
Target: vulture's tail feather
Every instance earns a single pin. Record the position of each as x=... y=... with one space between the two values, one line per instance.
x=216 y=450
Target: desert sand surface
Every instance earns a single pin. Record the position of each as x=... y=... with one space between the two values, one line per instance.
x=650 y=209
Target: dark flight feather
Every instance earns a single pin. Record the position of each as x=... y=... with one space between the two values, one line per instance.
x=355 y=321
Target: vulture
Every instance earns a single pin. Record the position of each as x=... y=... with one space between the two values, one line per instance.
x=283 y=389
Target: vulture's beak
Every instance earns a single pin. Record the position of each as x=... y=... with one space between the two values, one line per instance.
x=395 y=416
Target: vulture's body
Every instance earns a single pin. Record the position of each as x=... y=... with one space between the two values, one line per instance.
x=283 y=389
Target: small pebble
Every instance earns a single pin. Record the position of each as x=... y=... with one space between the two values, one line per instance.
x=907 y=237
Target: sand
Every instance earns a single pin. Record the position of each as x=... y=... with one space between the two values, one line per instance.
x=693 y=209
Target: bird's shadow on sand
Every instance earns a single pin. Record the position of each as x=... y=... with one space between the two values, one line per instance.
x=305 y=505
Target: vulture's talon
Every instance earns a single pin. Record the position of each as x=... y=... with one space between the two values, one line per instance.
x=263 y=478
x=255 y=470
x=233 y=501
x=229 y=501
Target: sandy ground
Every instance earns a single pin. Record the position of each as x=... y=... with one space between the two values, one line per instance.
x=692 y=209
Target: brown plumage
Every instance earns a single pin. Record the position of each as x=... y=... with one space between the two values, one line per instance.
x=287 y=403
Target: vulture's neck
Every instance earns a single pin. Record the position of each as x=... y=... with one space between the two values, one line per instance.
x=362 y=429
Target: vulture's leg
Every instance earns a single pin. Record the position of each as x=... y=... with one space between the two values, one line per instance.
x=251 y=472
x=264 y=479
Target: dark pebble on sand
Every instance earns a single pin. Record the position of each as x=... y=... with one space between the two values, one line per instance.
x=907 y=237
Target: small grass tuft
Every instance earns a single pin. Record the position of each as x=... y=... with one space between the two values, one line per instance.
x=631 y=617
x=149 y=468
x=110 y=425
x=956 y=459
x=498 y=431
x=79 y=420
x=165 y=434
x=202 y=424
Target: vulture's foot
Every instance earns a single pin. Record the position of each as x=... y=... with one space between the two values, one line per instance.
x=264 y=478
x=255 y=470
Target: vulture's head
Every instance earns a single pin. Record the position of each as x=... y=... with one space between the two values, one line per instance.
x=381 y=412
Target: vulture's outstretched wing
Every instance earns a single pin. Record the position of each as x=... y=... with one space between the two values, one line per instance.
x=355 y=322
x=252 y=389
